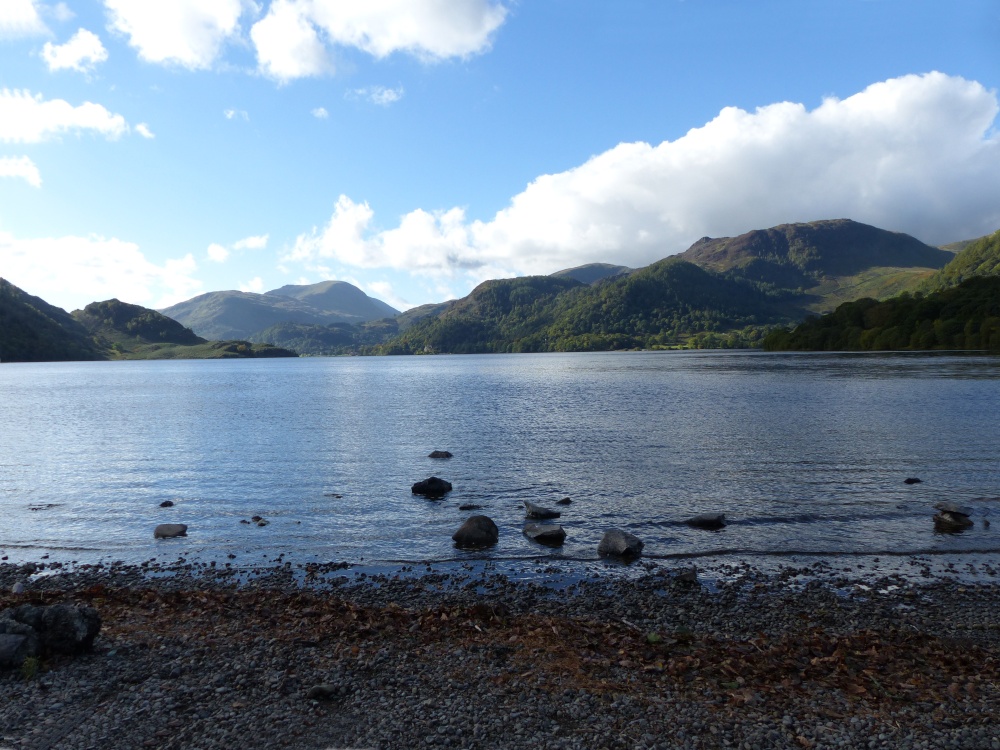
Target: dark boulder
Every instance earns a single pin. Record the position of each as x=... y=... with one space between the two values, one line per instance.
x=550 y=534
x=912 y=480
x=169 y=530
x=564 y=501
x=710 y=521
x=431 y=487
x=477 y=531
x=55 y=629
x=167 y=504
x=538 y=513
x=439 y=454
x=618 y=543
x=14 y=649
x=952 y=522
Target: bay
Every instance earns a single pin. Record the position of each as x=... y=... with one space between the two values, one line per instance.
x=804 y=453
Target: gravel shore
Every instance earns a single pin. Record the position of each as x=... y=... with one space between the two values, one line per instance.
x=315 y=657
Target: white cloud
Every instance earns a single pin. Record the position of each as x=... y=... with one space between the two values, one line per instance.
x=255 y=242
x=255 y=285
x=29 y=119
x=71 y=271
x=383 y=290
x=82 y=53
x=378 y=94
x=61 y=12
x=143 y=130
x=320 y=113
x=291 y=40
x=218 y=253
x=236 y=114
x=20 y=18
x=918 y=154
x=21 y=167
x=188 y=33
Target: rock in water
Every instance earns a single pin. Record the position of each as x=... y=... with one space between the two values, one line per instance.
x=551 y=534
x=477 y=531
x=912 y=480
x=431 y=487
x=439 y=454
x=711 y=521
x=167 y=504
x=951 y=522
x=564 y=501
x=618 y=543
x=539 y=513
x=169 y=530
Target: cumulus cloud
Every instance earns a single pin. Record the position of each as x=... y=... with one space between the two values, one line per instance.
x=188 y=33
x=73 y=271
x=377 y=95
x=254 y=242
x=143 y=130
x=293 y=39
x=320 y=113
x=20 y=18
x=255 y=285
x=918 y=154
x=25 y=118
x=82 y=53
x=220 y=253
x=21 y=167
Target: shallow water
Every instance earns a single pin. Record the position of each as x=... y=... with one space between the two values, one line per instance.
x=805 y=453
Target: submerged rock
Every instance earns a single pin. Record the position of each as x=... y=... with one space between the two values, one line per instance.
x=169 y=530
x=470 y=506
x=477 y=531
x=431 y=487
x=710 y=521
x=618 y=543
x=551 y=534
x=539 y=513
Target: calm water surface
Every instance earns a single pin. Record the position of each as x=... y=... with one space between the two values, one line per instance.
x=805 y=453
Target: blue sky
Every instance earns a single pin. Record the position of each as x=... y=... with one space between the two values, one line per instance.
x=155 y=151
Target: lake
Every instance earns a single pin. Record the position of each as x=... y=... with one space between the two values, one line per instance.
x=804 y=453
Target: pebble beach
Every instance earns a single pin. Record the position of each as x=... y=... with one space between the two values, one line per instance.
x=321 y=657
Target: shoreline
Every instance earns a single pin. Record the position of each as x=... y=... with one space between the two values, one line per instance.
x=809 y=657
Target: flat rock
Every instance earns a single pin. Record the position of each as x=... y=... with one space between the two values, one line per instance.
x=477 y=531
x=440 y=454
x=470 y=506
x=711 y=521
x=551 y=534
x=539 y=513
x=618 y=543
x=169 y=530
x=431 y=487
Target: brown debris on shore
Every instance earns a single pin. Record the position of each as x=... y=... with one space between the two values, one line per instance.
x=413 y=663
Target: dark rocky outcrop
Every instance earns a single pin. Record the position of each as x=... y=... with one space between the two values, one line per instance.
x=618 y=543
x=550 y=534
x=431 y=487
x=30 y=630
x=912 y=480
x=167 y=504
x=710 y=521
x=477 y=531
x=440 y=454
x=564 y=501
x=538 y=513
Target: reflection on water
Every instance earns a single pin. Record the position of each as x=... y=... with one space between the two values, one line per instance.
x=803 y=452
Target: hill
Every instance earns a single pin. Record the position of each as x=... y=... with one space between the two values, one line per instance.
x=978 y=258
x=32 y=330
x=669 y=303
x=964 y=317
x=824 y=263
x=592 y=272
x=240 y=315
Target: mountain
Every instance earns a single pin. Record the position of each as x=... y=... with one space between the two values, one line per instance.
x=978 y=258
x=962 y=317
x=592 y=272
x=826 y=262
x=116 y=322
x=32 y=330
x=240 y=315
